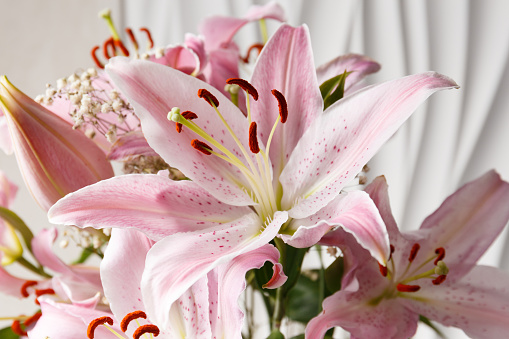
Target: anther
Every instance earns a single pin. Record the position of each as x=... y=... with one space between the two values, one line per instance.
x=17 y=329
x=120 y=44
x=245 y=85
x=201 y=146
x=253 y=139
x=413 y=252
x=258 y=47
x=132 y=38
x=96 y=322
x=149 y=36
x=392 y=251
x=32 y=319
x=383 y=269
x=440 y=279
x=441 y=254
x=94 y=57
x=408 y=288
x=109 y=45
x=26 y=285
x=153 y=329
x=283 y=106
x=38 y=293
x=130 y=317
x=209 y=97
x=188 y=115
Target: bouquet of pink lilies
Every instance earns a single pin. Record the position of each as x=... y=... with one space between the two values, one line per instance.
x=237 y=165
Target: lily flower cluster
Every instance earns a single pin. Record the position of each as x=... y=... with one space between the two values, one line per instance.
x=229 y=182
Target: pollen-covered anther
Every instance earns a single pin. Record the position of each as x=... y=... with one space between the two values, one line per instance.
x=94 y=57
x=392 y=251
x=131 y=36
x=38 y=293
x=440 y=279
x=251 y=48
x=408 y=288
x=97 y=322
x=121 y=46
x=440 y=254
x=383 y=269
x=109 y=49
x=209 y=97
x=283 y=106
x=17 y=329
x=245 y=85
x=32 y=319
x=152 y=329
x=413 y=252
x=253 y=139
x=25 y=286
x=201 y=146
x=130 y=317
x=149 y=37
x=188 y=115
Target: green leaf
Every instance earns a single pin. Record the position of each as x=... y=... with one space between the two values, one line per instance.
x=85 y=254
x=333 y=275
x=262 y=276
x=326 y=89
x=18 y=224
x=292 y=263
x=428 y=322
x=6 y=333
x=302 y=301
x=276 y=334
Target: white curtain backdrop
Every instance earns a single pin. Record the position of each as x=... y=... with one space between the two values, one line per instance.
x=455 y=137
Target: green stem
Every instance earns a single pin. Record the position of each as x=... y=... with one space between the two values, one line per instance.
x=31 y=267
x=279 y=311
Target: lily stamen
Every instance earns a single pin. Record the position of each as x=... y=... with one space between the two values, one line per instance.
x=253 y=139
x=130 y=317
x=201 y=146
x=97 y=322
x=209 y=97
x=149 y=37
x=245 y=85
x=152 y=329
x=25 y=286
x=94 y=57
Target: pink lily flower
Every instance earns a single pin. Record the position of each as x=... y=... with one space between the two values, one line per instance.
x=208 y=309
x=10 y=247
x=54 y=159
x=245 y=189
x=432 y=271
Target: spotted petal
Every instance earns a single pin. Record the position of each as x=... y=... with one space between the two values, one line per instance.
x=341 y=140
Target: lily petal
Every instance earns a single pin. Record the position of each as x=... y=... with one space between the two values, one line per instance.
x=286 y=64
x=341 y=140
x=54 y=158
x=10 y=284
x=5 y=139
x=468 y=222
x=151 y=203
x=130 y=145
x=178 y=261
x=478 y=303
x=153 y=90
x=359 y=65
x=356 y=213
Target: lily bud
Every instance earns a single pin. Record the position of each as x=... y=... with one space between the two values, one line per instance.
x=54 y=159
x=10 y=246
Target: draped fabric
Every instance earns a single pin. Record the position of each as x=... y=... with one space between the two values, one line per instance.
x=455 y=137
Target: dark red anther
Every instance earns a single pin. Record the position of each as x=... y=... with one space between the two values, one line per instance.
x=109 y=49
x=408 y=288
x=438 y=280
x=131 y=36
x=209 y=97
x=258 y=47
x=188 y=115
x=153 y=329
x=283 y=106
x=245 y=85
x=201 y=146
x=413 y=252
x=38 y=293
x=32 y=319
x=392 y=251
x=130 y=317
x=383 y=269
x=17 y=329
x=121 y=46
x=253 y=139
x=94 y=57
x=441 y=254
x=26 y=285
x=96 y=322
x=149 y=36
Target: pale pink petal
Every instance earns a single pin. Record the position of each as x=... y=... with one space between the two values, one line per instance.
x=150 y=203
x=341 y=140
x=10 y=284
x=54 y=158
x=356 y=213
x=378 y=191
x=130 y=145
x=359 y=65
x=121 y=270
x=8 y=191
x=178 y=261
x=478 y=303
x=222 y=65
x=197 y=45
x=5 y=138
x=285 y=64
x=154 y=90
x=230 y=282
x=42 y=248
x=68 y=322
x=468 y=222
x=179 y=57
